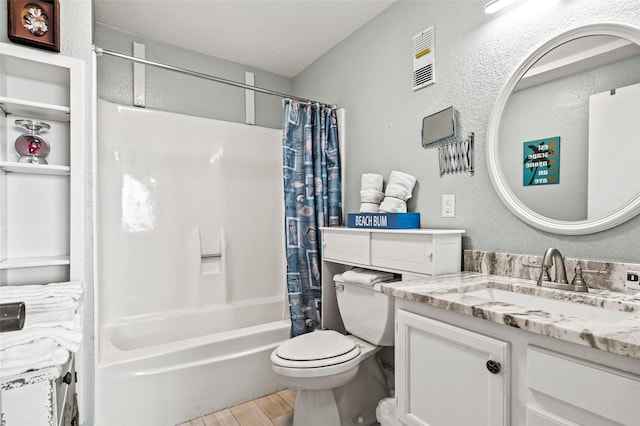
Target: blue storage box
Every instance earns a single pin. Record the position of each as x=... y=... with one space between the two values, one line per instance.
x=384 y=220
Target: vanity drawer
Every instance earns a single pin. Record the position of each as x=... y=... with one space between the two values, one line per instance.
x=352 y=247
x=595 y=388
x=406 y=252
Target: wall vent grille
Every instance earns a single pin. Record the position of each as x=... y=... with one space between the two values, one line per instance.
x=423 y=53
x=423 y=77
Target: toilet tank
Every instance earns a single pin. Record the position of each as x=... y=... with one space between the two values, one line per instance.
x=366 y=312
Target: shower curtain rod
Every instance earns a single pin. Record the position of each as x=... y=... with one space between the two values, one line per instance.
x=99 y=51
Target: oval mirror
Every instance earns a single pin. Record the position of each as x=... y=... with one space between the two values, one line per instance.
x=563 y=140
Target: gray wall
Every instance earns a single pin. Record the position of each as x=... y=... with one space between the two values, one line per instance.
x=369 y=74
x=171 y=91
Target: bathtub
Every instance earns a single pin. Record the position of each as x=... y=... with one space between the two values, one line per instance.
x=165 y=371
x=190 y=270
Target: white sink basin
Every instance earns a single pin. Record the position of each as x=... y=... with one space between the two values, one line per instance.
x=552 y=306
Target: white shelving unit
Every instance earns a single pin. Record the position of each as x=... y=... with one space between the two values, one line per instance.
x=42 y=207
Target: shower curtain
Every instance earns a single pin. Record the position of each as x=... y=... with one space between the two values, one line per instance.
x=312 y=192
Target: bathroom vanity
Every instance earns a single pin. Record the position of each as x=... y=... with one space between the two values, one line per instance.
x=469 y=353
x=482 y=349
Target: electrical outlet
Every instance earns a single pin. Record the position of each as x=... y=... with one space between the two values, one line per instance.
x=448 y=205
x=633 y=280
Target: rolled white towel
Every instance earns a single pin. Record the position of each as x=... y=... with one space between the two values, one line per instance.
x=371 y=181
x=393 y=205
x=397 y=191
x=403 y=179
x=371 y=196
x=369 y=208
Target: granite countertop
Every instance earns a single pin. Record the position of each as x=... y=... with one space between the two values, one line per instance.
x=448 y=292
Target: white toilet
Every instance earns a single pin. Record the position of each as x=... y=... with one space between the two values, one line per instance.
x=338 y=379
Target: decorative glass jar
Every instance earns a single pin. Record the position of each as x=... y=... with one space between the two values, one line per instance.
x=32 y=147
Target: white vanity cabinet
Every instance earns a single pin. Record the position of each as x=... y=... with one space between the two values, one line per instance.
x=42 y=206
x=442 y=377
x=446 y=375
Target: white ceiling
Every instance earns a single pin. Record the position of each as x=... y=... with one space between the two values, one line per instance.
x=280 y=36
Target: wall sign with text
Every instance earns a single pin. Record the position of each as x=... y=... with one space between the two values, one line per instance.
x=541 y=165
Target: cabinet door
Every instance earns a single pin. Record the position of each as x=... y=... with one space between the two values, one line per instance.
x=350 y=247
x=29 y=398
x=406 y=252
x=442 y=377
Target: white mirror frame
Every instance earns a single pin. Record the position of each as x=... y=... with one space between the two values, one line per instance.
x=580 y=227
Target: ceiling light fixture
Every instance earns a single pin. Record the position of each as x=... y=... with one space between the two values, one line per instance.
x=495 y=5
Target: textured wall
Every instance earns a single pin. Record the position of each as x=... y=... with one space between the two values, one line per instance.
x=369 y=75
x=170 y=91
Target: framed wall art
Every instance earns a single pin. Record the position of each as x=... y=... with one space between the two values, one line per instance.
x=35 y=23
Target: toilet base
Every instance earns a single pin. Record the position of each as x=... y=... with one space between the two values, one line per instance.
x=315 y=408
x=352 y=404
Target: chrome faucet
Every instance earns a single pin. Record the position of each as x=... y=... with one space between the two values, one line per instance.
x=553 y=257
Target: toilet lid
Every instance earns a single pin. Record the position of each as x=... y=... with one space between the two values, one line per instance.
x=319 y=345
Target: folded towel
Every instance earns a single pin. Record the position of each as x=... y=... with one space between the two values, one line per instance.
x=64 y=318
x=369 y=208
x=49 y=305
x=45 y=298
x=40 y=353
x=371 y=181
x=393 y=205
x=56 y=291
x=68 y=335
x=397 y=191
x=371 y=196
x=52 y=304
x=366 y=276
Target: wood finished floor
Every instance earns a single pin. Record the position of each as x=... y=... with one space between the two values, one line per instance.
x=271 y=410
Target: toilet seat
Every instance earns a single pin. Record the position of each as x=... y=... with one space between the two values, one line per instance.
x=316 y=350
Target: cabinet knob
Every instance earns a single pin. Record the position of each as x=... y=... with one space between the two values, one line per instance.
x=67 y=378
x=494 y=367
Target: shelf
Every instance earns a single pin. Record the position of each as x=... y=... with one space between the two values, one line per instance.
x=34 y=169
x=34 y=262
x=20 y=107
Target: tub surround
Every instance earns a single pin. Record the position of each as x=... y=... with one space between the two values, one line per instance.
x=520 y=266
x=448 y=292
x=178 y=308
